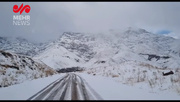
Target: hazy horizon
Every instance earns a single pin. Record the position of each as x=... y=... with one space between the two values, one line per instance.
x=50 y=19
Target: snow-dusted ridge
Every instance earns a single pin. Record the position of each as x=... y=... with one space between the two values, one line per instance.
x=75 y=49
x=15 y=69
x=19 y=45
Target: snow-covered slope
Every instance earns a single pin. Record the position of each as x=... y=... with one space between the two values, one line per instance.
x=16 y=68
x=137 y=45
x=175 y=48
x=78 y=43
x=57 y=56
x=20 y=45
x=133 y=55
x=131 y=44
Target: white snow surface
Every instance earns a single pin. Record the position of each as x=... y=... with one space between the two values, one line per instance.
x=110 y=89
x=15 y=69
x=115 y=65
x=26 y=89
x=107 y=88
x=58 y=57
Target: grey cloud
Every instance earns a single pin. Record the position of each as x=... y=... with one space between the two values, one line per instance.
x=45 y=23
x=50 y=20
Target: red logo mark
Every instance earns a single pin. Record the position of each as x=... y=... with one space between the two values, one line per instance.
x=27 y=8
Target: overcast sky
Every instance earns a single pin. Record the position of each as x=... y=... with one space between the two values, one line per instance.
x=50 y=19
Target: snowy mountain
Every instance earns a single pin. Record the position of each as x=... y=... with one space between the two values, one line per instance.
x=115 y=47
x=130 y=56
x=20 y=46
x=133 y=56
x=87 y=50
x=56 y=56
x=137 y=45
x=15 y=69
x=78 y=44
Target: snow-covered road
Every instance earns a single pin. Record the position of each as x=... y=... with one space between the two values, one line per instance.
x=68 y=87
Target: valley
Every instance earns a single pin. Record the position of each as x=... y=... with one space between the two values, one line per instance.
x=133 y=57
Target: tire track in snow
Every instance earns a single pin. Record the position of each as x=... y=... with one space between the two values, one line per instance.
x=91 y=92
x=69 y=87
x=64 y=93
x=74 y=89
x=46 y=89
x=58 y=88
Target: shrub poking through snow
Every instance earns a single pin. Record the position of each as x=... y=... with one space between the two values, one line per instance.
x=15 y=69
x=115 y=75
x=132 y=73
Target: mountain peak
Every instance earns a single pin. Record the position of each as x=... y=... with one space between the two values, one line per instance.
x=71 y=33
x=135 y=30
